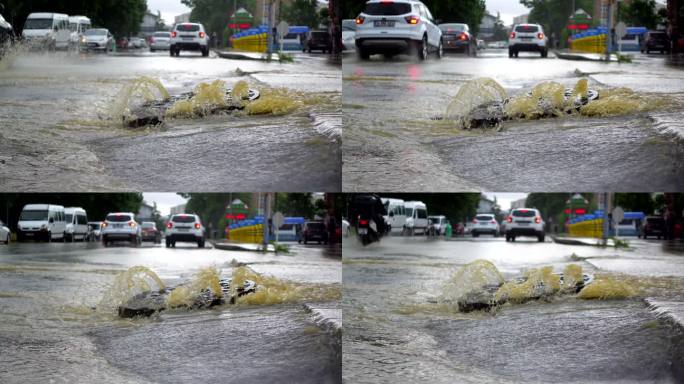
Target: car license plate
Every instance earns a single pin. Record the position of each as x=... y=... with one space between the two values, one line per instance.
x=28 y=234
x=183 y=229
x=525 y=38
x=363 y=231
x=117 y=226
x=383 y=23
x=523 y=223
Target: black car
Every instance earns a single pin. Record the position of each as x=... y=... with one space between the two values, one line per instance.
x=656 y=41
x=314 y=230
x=653 y=226
x=317 y=40
x=457 y=37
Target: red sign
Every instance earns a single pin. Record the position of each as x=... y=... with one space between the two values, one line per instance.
x=240 y=26
x=581 y=27
x=567 y=211
x=580 y=211
x=239 y=216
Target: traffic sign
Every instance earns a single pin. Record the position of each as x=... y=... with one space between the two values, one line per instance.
x=620 y=30
x=278 y=220
x=282 y=28
x=618 y=215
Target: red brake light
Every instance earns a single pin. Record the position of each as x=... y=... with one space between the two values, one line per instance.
x=464 y=36
x=493 y=221
x=151 y=39
x=512 y=35
x=510 y=219
x=413 y=19
x=360 y=20
x=201 y=35
x=169 y=225
x=197 y=226
x=105 y=224
x=174 y=34
x=131 y=224
x=537 y=219
x=363 y=222
x=474 y=221
x=540 y=35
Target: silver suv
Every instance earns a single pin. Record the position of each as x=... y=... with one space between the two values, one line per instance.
x=184 y=227
x=395 y=27
x=527 y=38
x=525 y=222
x=189 y=37
x=121 y=226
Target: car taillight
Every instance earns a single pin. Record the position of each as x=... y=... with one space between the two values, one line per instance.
x=131 y=224
x=360 y=20
x=169 y=225
x=537 y=219
x=197 y=225
x=174 y=34
x=464 y=36
x=474 y=221
x=105 y=224
x=512 y=35
x=363 y=222
x=510 y=219
x=201 y=35
x=151 y=40
x=493 y=221
x=540 y=35
x=413 y=19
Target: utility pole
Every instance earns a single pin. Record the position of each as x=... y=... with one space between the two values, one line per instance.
x=269 y=49
x=609 y=37
x=267 y=215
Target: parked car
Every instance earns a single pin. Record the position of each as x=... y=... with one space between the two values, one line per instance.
x=457 y=37
x=136 y=43
x=97 y=39
x=416 y=218
x=395 y=220
x=5 y=233
x=121 y=226
x=76 y=224
x=525 y=222
x=345 y=228
x=43 y=30
x=95 y=230
x=485 y=224
x=395 y=27
x=78 y=26
x=189 y=37
x=437 y=225
x=314 y=230
x=656 y=41
x=185 y=227
x=41 y=222
x=653 y=226
x=150 y=232
x=160 y=41
x=527 y=38
x=122 y=43
x=348 y=33
x=317 y=40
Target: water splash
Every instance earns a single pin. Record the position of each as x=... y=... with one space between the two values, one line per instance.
x=127 y=284
x=206 y=97
x=145 y=88
x=186 y=294
x=275 y=102
x=472 y=283
x=537 y=283
x=607 y=288
x=474 y=93
x=271 y=290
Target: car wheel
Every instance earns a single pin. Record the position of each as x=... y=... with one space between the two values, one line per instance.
x=513 y=238
x=171 y=53
x=545 y=53
x=200 y=243
x=510 y=53
x=508 y=238
x=440 y=50
x=319 y=242
x=540 y=238
x=205 y=52
x=423 y=49
x=648 y=52
x=516 y=53
x=305 y=241
x=168 y=243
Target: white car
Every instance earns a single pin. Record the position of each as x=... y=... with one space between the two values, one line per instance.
x=160 y=41
x=525 y=222
x=395 y=27
x=527 y=38
x=184 y=227
x=348 y=34
x=78 y=25
x=95 y=228
x=41 y=222
x=97 y=39
x=5 y=233
x=76 y=224
x=189 y=37
x=416 y=218
x=485 y=224
x=121 y=226
x=47 y=30
x=438 y=224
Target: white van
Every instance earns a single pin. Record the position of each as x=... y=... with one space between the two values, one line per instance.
x=76 y=224
x=416 y=218
x=47 y=30
x=396 y=214
x=78 y=25
x=41 y=222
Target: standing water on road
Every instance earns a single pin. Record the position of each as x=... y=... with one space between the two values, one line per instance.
x=61 y=119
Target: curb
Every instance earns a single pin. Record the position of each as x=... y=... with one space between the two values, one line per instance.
x=240 y=247
x=245 y=56
x=672 y=312
x=581 y=57
x=328 y=319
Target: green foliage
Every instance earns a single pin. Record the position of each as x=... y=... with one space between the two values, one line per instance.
x=295 y=204
x=215 y=15
x=448 y=11
x=500 y=32
x=553 y=15
x=211 y=207
x=641 y=13
x=97 y=205
x=121 y=17
x=635 y=202
x=301 y=12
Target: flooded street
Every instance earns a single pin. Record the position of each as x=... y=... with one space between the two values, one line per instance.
x=57 y=130
x=412 y=147
x=397 y=325
x=58 y=326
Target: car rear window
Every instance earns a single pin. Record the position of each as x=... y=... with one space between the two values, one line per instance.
x=452 y=27
x=187 y=27
x=162 y=34
x=319 y=34
x=315 y=226
x=524 y=213
x=148 y=225
x=484 y=217
x=527 y=28
x=387 y=9
x=655 y=220
x=119 y=218
x=183 y=219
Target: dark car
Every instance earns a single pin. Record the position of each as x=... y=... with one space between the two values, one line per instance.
x=653 y=226
x=457 y=37
x=150 y=232
x=6 y=35
x=656 y=41
x=317 y=40
x=314 y=230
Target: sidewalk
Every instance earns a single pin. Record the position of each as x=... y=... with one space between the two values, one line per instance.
x=583 y=56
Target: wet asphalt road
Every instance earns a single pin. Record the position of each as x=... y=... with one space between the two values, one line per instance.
x=56 y=131
x=405 y=149
x=49 y=333
x=392 y=330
